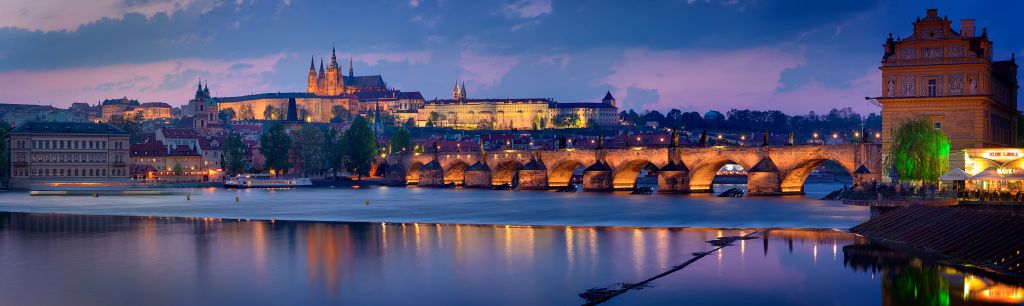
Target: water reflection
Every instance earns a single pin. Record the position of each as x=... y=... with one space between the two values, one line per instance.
x=102 y=260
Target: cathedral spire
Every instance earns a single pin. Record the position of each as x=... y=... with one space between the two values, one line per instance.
x=350 y=74
x=334 y=58
x=311 y=67
x=463 y=89
x=322 y=68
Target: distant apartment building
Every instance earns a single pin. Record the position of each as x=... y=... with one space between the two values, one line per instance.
x=154 y=161
x=48 y=151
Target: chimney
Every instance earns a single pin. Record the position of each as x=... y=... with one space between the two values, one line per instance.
x=967 y=28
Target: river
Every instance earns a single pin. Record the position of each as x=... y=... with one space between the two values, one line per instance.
x=494 y=248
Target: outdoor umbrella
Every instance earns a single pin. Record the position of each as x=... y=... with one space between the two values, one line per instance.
x=955 y=175
x=989 y=174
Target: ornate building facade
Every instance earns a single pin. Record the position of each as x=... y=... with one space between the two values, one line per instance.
x=328 y=91
x=49 y=151
x=331 y=81
x=949 y=77
x=461 y=112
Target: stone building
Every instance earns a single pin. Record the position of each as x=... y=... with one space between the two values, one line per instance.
x=462 y=112
x=154 y=161
x=327 y=90
x=47 y=151
x=949 y=77
x=203 y=109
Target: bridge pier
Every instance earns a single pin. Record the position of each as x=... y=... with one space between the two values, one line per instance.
x=598 y=177
x=431 y=175
x=478 y=176
x=395 y=176
x=764 y=179
x=533 y=175
x=674 y=178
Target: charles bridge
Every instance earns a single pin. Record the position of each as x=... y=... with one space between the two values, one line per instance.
x=771 y=170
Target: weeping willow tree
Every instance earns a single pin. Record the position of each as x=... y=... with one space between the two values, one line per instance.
x=919 y=151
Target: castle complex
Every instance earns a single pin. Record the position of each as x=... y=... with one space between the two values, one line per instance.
x=462 y=112
x=949 y=77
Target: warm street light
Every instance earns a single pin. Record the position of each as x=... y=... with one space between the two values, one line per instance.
x=834 y=135
x=815 y=135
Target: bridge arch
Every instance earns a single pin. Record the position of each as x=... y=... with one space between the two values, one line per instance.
x=625 y=176
x=794 y=179
x=505 y=172
x=561 y=172
x=703 y=175
x=412 y=177
x=455 y=173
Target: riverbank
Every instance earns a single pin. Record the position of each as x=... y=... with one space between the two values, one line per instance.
x=466 y=206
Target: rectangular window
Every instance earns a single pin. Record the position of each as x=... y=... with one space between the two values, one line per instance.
x=931 y=88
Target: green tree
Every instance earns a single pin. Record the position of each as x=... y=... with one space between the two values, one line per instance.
x=270 y=113
x=333 y=150
x=432 y=119
x=401 y=140
x=178 y=169
x=131 y=124
x=340 y=114
x=245 y=113
x=360 y=147
x=919 y=151
x=226 y=114
x=274 y=145
x=566 y=120
x=310 y=145
x=411 y=123
x=234 y=155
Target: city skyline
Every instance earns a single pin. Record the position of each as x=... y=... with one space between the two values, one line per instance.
x=791 y=57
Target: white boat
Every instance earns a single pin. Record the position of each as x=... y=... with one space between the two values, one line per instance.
x=266 y=181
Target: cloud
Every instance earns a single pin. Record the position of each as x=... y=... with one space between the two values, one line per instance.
x=411 y=57
x=528 y=8
x=56 y=15
x=560 y=60
x=485 y=70
x=748 y=78
x=166 y=81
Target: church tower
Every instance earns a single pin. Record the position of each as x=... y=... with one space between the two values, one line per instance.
x=311 y=86
x=459 y=92
x=608 y=99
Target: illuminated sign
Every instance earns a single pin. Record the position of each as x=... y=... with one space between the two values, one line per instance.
x=1001 y=155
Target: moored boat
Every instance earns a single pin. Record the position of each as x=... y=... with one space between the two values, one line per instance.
x=266 y=181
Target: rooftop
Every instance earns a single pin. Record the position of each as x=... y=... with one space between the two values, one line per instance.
x=67 y=127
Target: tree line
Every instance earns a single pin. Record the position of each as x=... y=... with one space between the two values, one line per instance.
x=316 y=149
x=843 y=119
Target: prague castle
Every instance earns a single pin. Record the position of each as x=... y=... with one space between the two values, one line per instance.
x=327 y=90
x=462 y=112
x=949 y=77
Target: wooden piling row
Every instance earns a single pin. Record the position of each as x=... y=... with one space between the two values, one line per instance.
x=985 y=238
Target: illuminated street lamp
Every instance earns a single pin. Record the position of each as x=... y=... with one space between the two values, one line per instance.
x=834 y=135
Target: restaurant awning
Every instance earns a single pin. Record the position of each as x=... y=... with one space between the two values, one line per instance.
x=955 y=175
x=989 y=174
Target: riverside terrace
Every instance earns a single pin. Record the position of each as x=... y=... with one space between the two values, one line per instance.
x=778 y=170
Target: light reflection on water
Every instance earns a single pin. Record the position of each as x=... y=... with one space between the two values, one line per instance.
x=105 y=260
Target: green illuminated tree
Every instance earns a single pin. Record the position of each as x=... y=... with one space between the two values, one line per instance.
x=919 y=151
x=360 y=147
x=274 y=145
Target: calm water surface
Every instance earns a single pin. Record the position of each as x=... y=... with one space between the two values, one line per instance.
x=467 y=206
x=48 y=259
